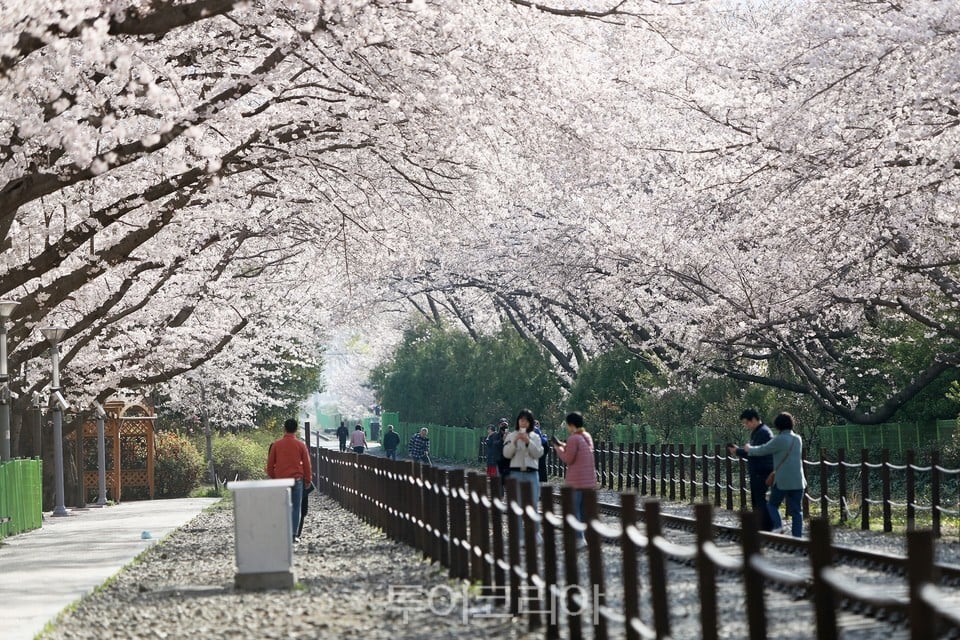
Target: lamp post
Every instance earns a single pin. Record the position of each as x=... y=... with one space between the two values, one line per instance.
x=37 y=403
x=6 y=308
x=53 y=336
x=101 y=456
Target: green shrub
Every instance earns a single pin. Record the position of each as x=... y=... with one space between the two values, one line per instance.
x=237 y=457
x=179 y=466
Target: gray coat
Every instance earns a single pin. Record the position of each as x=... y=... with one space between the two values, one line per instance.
x=787 y=451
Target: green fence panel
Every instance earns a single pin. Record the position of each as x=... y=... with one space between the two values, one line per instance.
x=21 y=496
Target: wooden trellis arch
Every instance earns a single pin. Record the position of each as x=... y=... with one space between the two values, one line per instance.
x=129 y=440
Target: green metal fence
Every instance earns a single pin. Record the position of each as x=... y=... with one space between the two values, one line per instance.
x=21 y=496
x=454 y=444
x=895 y=436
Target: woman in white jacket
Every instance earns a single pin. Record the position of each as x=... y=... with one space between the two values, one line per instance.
x=524 y=449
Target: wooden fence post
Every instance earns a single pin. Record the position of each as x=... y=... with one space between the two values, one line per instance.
x=478 y=531
x=658 y=571
x=643 y=469
x=911 y=490
x=885 y=474
x=920 y=572
x=528 y=502
x=628 y=550
x=935 y=493
x=706 y=573
x=717 y=493
x=513 y=543
x=571 y=574
x=664 y=459
x=864 y=490
x=602 y=466
x=821 y=557
x=728 y=464
x=683 y=475
x=824 y=503
x=673 y=475
x=842 y=483
x=620 y=470
x=499 y=578
x=705 y=472
x=459 y=562
x=595 y=564
x=549 y=563
x=752 y=579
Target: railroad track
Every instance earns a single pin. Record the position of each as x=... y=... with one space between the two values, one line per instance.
x=876 y=581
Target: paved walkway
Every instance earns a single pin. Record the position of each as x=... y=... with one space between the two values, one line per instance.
x=43 y=571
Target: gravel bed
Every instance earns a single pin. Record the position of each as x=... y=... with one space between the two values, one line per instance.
x=948 y=550
x=352 y=583
x=355 y=583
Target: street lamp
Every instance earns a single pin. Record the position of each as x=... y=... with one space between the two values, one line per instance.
x=101 y=455
x=6 y=308
x=54 y=335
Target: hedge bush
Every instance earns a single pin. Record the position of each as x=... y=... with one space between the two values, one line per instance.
x=237 y=457
x=179 y=466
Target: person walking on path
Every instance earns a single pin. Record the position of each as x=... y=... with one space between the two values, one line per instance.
x=758 y=467
x=358 y=440
x=494 y=449
x=391 y=440
x=342 y=434
x=503 y=464
x=577 y=454
x=789 y=481
x=289 y=458
x=419 y=447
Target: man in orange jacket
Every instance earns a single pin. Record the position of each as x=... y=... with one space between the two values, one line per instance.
x=289 y=458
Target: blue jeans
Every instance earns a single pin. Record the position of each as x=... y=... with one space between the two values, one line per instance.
x=296 y=503
x=533 y=477
x=793 y=497
x=578 y=510
x=392 y=454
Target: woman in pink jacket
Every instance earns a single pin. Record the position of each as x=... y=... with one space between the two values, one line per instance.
x=577 y=454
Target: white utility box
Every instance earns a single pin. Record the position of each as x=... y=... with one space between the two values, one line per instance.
x=263 y=532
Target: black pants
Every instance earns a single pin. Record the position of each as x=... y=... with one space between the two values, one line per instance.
x=758 y=498
x=343 y=446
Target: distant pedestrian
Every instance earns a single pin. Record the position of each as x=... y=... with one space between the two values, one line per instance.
x=494 y=447
x=419 y=447
x=503 y=465
x=758 y=467
x=342 y=434
x=545 y=443
x=289 y=458
x=789 y=481
x=577 y=454
x=391 y=440
x=358 y=440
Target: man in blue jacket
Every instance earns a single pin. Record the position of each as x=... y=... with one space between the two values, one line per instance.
x=758 y=467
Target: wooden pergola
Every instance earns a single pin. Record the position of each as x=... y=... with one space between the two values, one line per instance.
x=129 y=439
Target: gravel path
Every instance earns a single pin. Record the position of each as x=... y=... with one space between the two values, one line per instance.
x=353 y=583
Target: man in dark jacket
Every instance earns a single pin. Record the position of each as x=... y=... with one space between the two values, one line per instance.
x=758 y=467
x=391 y=440
x=342 y=434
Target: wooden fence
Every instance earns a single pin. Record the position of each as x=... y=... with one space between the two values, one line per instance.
x=925 y=495
x=457 y=519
